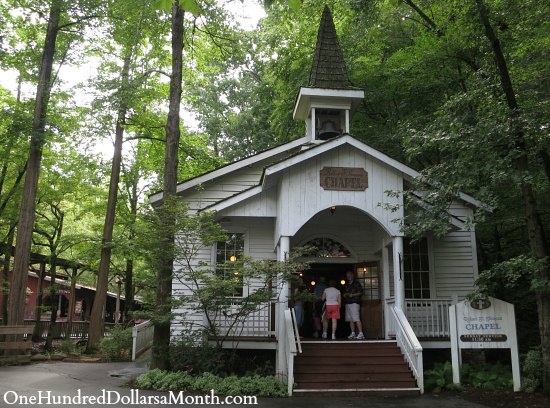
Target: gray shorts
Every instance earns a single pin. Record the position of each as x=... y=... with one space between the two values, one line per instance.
x=352 y=312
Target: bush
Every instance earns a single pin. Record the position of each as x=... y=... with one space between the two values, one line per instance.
x=261 y=386
x=489 y=376
x=440 y=378
x=117 y=347
x=186 y=355
x=532 y=370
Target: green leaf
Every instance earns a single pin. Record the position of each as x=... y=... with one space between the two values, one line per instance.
x=162 y=5
x=295 y=4
x=190 y=6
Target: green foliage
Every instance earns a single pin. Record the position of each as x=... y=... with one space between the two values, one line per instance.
x=489 y=376
x=118 y=346
x=532 y=369
x=261 y=386
x=440 y=378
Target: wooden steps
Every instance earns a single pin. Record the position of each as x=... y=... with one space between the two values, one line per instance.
x=355 y=368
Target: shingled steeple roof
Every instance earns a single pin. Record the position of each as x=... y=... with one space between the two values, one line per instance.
x=328 y=70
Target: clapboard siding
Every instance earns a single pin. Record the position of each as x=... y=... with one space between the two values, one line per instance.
x=300 y=196
x=454 y=264
x=261 y=205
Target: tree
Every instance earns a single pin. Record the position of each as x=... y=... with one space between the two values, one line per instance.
x=28 y=203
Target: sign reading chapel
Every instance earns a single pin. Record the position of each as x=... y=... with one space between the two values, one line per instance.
x=344 y=178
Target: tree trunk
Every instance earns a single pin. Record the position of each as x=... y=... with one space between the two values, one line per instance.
x=6 y=274
x=129 y=277
x=54 y=300
x=37 y=333
x=96 y=318
x=71 y=303
x=28 y=201
x=537 y=238
x=161 y=336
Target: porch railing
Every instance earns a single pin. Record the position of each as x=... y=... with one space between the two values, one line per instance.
x=408 y=343
x=259 y=323
x=79 y=329
x=293 y=346
x=429 y=318
x=142 y=338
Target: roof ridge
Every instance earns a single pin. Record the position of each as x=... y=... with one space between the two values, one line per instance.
x=328 y=69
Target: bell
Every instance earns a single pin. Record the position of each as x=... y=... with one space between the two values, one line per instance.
x=328 y=130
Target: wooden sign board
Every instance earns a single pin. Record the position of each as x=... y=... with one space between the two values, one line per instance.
x=344 y=178
x=485 y=324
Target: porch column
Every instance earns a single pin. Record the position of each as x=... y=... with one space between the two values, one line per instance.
x=398 y=285
x=386 y=286
x=282 y=255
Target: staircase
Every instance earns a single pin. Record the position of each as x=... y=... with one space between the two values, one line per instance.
x=352 y=368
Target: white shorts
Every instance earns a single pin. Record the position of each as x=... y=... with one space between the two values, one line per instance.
x=352 y=312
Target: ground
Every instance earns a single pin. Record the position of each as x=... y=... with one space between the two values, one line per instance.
x=505 y=399
x=66 y=378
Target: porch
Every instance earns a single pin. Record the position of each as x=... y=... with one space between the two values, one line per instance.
x=428 y=318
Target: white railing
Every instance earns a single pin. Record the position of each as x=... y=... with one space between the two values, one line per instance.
x=293 y=346
x=142 y=338
x=408 y=343
x=255 y=324
x=429 y=317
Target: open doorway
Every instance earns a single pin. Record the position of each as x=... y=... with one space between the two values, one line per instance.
x=371 y=310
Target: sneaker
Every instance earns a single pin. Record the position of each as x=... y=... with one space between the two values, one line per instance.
x=324 y=336
x=315 y=334
x=352 y=336
x=333 y=337
x=360 y=336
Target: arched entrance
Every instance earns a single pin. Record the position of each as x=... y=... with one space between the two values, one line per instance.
x=345 y=239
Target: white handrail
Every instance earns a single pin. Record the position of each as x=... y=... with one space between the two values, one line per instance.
x=142 y=337
x=409 y=345
x=290 y=348
x=296 y=331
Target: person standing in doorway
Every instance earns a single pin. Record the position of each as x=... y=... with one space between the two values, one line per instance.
x=333 y=300
x=353 y=292
x=318 y=289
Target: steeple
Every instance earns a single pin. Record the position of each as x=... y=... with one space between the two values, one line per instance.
x=329 y=69
x=328 y=102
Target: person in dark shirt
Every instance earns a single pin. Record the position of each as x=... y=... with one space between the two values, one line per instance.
x=353 y=292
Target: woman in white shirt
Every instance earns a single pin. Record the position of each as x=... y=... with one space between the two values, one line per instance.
x=333 y=301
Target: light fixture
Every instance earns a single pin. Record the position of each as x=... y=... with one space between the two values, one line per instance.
x=332 y=210
x=343 y=282
x=312 y=283
x=232 y=258
x=301 y=274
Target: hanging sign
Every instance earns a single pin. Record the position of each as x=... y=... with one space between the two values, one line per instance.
x=483 y=324
x=344 y=178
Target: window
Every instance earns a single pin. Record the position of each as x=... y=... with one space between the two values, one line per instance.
x=368 y=276
x=416 y=267
x=229 y=251
x=327 y=248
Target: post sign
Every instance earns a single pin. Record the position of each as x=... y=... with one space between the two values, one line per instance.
x=344 y=178
x=483 y=324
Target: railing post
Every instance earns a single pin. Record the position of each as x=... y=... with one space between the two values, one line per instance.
x=282 y=255
x=134 y=342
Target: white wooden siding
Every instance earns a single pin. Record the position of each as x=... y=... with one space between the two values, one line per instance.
x=300 y=196
x=454 y=265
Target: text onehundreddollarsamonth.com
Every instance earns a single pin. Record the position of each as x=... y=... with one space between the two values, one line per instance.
x=111 y=397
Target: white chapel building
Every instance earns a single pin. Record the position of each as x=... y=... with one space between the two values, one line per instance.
x=329 y=189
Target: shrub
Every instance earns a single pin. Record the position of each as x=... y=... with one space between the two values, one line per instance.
x=117 y=347
x=532 y=370
x=261 y=386
x=489 y=376
x=68 y=346
x=440 y=378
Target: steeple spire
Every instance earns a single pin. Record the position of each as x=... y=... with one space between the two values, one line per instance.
x=328 y=70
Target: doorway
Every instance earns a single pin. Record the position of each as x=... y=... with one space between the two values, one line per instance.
x=368 y=274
